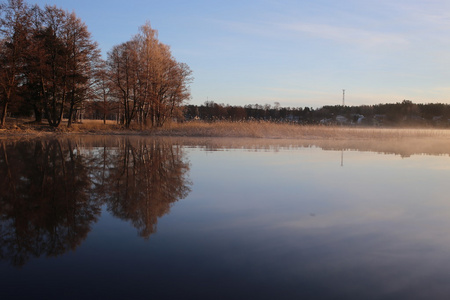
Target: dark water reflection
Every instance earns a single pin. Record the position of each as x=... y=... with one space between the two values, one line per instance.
x=53 y=191
x=260 y=219
x=45 y=205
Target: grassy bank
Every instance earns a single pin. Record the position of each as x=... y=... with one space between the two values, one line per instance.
x=230 y=130
x=274 y=130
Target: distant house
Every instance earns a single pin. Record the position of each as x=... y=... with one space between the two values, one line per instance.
x=379 y=119
x=358 y=119
x=341 y=119
x=292 y=118
x=326 y=121
x=440 y=121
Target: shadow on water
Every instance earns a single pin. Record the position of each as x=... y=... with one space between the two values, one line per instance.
x=52 y=191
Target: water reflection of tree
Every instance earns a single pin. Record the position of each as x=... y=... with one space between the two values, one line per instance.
x=149 y=177
x=45 y=208
x=52 y=191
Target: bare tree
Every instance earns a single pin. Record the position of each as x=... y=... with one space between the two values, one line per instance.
x=149 y=81
x=52 y=63
x=14 y=24
x=61 y=64
x=122 y=65
x=173 y=91
x=83 y=56
x=165 y=79
x=102 y=87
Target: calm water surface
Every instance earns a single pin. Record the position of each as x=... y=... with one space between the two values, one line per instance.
x=139 y=218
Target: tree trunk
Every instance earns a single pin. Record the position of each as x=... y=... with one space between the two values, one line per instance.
x=69 y=120
x=37 y=114
x=4 y=110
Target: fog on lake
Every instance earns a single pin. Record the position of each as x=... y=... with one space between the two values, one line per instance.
x=142 y=218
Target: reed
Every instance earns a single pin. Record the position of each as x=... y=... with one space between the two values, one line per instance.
x=256 y=129
x=250 y=129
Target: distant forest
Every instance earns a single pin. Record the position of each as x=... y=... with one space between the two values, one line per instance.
x=405 y=113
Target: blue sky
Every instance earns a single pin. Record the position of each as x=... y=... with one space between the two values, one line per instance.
x=297 y=53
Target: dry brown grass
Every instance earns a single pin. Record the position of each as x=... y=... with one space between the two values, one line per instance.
x=280 y=131
x=252 y=129
x=93 y=126
x=255 y=136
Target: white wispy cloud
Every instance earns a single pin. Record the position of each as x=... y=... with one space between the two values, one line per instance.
x=355 y=36
x=340 y=34
x=423 y=13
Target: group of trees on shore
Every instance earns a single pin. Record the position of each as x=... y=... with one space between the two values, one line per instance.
x=392 y=114
x=50 y=67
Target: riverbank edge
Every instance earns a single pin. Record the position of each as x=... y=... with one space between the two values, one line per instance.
x=259 y=130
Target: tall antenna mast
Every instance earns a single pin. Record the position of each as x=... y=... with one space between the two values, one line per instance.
x=343 y=97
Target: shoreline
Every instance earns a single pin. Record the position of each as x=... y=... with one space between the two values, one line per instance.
x=257 y=130
x=402 y=142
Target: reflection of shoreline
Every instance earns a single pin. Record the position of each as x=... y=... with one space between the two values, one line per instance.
x=404 y=147
x=53 y=190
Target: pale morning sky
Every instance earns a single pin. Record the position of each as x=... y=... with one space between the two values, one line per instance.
x=297 y=53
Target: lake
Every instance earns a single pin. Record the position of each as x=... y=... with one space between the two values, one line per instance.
x=145 y=218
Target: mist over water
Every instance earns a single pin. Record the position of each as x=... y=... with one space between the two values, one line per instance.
x=146 y=218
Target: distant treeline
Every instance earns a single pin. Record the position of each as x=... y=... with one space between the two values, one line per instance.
x=389 y=114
